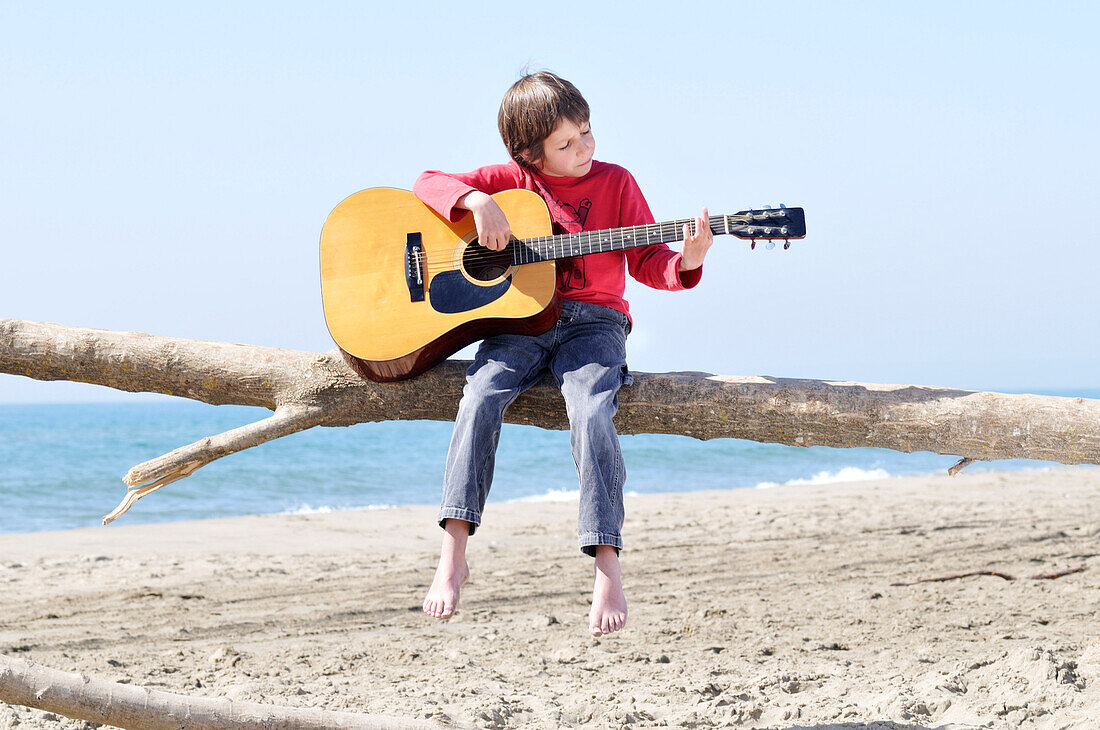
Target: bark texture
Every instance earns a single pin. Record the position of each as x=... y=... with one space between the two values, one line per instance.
x=139 y=708
x=306 y=389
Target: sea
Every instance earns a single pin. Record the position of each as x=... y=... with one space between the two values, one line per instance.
x=61 y=465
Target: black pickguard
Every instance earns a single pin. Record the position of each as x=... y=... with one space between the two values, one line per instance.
x=450 y=292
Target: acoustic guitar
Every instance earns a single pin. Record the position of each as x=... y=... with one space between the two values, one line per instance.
x=403 y=288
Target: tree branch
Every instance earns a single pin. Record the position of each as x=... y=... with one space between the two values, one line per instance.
x=320 y=389
x=155 y=473
x=139 y=708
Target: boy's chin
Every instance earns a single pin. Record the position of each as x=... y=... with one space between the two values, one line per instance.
x=583 y=169
x=579 y=171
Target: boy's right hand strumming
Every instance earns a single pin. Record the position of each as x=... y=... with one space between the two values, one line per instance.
x=493 y=231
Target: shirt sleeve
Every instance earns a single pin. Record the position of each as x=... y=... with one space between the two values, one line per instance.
x=657 y=265
x=441 y=190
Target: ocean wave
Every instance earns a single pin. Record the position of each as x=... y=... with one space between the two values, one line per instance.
x=847 y=474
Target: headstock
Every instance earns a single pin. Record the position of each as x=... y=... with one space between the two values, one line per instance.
x=768 y=224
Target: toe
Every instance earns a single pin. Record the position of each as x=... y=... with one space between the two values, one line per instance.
x=594 y=626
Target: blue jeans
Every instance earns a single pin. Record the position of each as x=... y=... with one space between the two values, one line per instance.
x=586 y=352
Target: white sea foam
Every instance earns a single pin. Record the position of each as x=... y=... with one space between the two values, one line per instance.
x=847 y=474
x=560 y=495
x=554 y=495
x=305 y=509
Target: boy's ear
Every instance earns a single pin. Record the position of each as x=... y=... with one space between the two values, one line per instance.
x=529 y=159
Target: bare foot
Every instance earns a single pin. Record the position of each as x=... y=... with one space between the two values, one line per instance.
x=608 y=612
x=453 y=571
x=442 y=598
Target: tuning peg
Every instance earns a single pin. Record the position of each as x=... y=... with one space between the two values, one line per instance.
x=766 y=207
x=771 y=245
x=782 y=205
x=752 y=245
x=786 y=244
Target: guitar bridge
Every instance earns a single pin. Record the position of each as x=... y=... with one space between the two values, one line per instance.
x=414 y=267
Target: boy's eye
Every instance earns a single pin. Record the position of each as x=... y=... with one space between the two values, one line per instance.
x=584 y=133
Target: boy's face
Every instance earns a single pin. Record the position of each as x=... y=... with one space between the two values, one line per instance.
x=567 y=152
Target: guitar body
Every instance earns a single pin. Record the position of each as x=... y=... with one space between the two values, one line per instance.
x=403 y=287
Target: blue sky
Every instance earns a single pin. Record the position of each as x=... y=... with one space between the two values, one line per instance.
x=168 y=170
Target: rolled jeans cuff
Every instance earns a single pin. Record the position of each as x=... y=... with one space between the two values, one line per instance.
x=590 y=540
x=457 y=513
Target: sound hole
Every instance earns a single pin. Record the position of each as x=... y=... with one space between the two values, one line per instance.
x=483 y=264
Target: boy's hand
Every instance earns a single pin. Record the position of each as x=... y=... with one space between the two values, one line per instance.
x=696 y=246
x=493 y=231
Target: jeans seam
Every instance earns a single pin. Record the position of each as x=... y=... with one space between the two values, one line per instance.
x=590 y=539
x=459 y=513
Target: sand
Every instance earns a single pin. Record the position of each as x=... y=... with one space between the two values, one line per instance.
x=748 y=608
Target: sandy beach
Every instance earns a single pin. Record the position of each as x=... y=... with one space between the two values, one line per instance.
x=767 y=608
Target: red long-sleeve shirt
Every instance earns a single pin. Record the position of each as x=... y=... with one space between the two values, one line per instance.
x=606 y=197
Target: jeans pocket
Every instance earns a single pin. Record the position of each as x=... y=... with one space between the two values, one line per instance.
x=616 y=316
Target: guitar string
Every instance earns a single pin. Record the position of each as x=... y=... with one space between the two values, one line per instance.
x=508 y=254
x=536 y=254
x=546 y=244
x=432 y=267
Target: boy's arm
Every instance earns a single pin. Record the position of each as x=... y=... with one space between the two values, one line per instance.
x=659 y=266
x=449 y=194
x=493 y=231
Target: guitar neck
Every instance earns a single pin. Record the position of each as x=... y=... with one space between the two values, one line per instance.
x=765 y=224
x=566 y=245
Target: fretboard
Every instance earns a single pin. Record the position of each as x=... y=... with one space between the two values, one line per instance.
x=545 y=248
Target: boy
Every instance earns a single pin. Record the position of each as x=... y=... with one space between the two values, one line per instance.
x=544 y=122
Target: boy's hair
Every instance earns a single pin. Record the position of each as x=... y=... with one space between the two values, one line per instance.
x=532 y=109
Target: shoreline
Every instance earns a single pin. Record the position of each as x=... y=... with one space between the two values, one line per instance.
x=753 y=608
x=841 y=477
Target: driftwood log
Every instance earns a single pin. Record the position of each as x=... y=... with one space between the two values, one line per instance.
x=140 y=708
x=306 y=389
